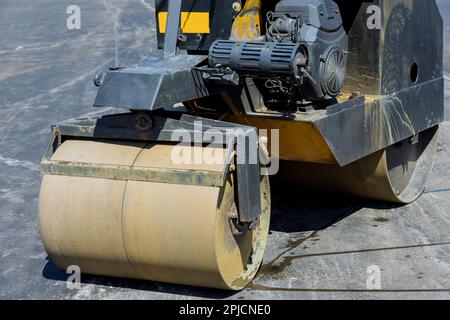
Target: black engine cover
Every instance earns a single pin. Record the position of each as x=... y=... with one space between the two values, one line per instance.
x=319 y=28
x=306 y=50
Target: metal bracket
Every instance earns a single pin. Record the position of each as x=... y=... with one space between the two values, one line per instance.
x=240 y=141
x=172 y=28
x=224 y=76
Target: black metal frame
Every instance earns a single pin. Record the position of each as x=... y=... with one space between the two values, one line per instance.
x=148 y=127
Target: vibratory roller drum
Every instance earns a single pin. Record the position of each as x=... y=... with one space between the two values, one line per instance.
x=398 y=173
x=176 y=233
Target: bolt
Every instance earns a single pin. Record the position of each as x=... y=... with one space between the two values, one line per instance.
x=355 y=95
x=143 y=122
x=237 y=7
x=302 y=62
x=182 y=38
x=98 y=79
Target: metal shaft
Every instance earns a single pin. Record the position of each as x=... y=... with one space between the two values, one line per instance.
x=172 y=28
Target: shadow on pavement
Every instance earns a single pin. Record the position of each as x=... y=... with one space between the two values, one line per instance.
x=52 y=272
x=297 y=210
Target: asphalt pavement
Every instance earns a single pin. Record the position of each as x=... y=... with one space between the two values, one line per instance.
x=319 y=247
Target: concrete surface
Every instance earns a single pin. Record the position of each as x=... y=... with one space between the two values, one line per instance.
x=318 y=248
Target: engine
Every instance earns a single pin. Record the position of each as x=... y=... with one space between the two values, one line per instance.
x=302 y=57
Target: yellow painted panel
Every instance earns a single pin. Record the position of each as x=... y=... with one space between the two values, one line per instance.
x=299 y=140
x=191 y=22
x=247 y=25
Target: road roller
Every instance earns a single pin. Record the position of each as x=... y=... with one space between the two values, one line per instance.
x=171 y=183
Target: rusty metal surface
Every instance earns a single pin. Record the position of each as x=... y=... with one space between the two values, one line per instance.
x=70 y=169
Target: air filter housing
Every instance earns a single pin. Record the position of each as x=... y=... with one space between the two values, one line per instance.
x=262 y=59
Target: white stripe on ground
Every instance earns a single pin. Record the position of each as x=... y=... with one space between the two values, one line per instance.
x=447 y=78
x=148 y=5
x=18 y=163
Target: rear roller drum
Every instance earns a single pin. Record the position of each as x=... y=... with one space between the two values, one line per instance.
x=176 y=233
x=396 y=174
